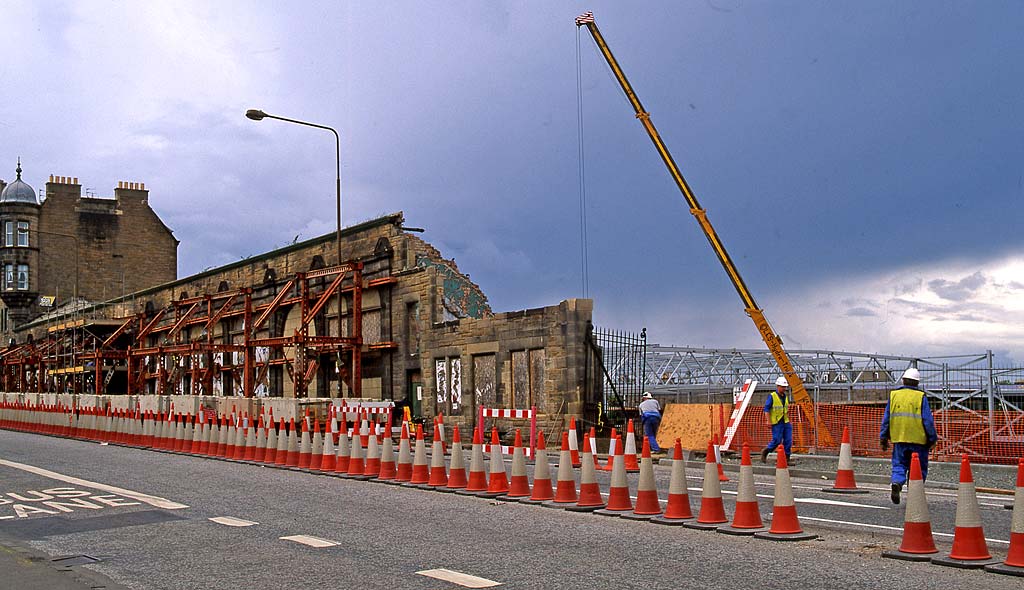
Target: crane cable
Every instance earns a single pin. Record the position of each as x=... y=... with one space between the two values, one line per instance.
x=584 y=263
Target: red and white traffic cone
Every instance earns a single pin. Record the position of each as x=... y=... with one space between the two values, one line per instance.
x=677 y=510
x=574 y=447
x=712 y=511
x=519 y=485
x=291 y=455
x=250 y=442
x=305 y=446
x=387 y=456
x=260 y=453
x=565 y=489
x=845 y=482
x=420 y=469
x=619 y=500
x=632 y=466
x=593 y=446
x=457 y=471
x=969 y=548
x=746 y=520
x=613 y=443
x=718 y=460
x=590 y=492
x=785 y=524
x=1014 y=564
x=647 y=503
x=372 y=468
x=438 y=472
x=403 y=472
x=270 y=451
x=356 y=460
x=918 y=544
x=542 y=488
x=344 y=452
x=497 y=484
x=316 y=453
x=329 y=457
x=477 y=482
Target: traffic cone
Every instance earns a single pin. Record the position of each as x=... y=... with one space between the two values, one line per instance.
x=519 y=485
x=387 y=456
x=187 y=434
x=477 y=475
x=179 y=431
x=718 y=460
x=574 y=448
x=593 y=446
x=969 y=548
x=498 y=481
x=565 y=489
x=457 y=471
x=240 y=437
x=542 y=489
x=316 y=452
x=746 y=520
x=344 y=452
x=420 y=469
x=216 y=449
x=677 y=510
x=270 y=453
x=356 y=462
x=227 y=439
x=403 y=470
x=305 y=446
x=328 y=457
x=259 y=453
x=438 y=472
x=631 y=463
x=204 y=437
x=918 y=544
x=1014 y=564
x=785 y=524
x=618 y=491
x=647 y=503
x=292 y=448
x=712 y=511
x=613 y=441
x=251 y=433
x=845 y=482
x=281 y=452
x=590 y=492
x=372 y=468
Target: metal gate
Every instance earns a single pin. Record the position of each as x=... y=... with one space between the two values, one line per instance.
x=620 y=365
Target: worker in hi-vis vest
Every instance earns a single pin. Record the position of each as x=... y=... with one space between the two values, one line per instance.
x=777 y=411
x=909 y=425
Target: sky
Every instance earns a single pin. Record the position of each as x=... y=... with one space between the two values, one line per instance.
x=863 y=163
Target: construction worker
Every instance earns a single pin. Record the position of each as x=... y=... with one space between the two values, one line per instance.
x=909 y=425
x=650 y=418
x=776 y=409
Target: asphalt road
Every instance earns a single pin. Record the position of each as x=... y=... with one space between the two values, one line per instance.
x=145 y=517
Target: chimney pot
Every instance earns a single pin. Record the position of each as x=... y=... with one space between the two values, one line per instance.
x=143 y=186
x=51 y=178
x=120 y=184
x=75 y=181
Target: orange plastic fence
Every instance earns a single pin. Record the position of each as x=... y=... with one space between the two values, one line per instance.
x=959 y=432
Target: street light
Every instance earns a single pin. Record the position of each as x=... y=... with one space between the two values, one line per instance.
x=258 y=115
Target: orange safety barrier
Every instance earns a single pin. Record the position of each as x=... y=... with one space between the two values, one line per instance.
x=959 y=431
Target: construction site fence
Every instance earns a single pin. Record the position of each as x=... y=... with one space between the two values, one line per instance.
x=996 y=438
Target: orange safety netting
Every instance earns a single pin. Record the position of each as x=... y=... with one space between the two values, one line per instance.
x=959 y=431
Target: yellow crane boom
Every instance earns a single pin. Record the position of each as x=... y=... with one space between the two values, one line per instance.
x=771 y=339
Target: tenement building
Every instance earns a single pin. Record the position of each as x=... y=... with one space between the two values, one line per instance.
x=65 y=250
x=382 y=315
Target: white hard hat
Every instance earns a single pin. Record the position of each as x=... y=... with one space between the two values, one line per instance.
x=912 y=373
x=647 y=395
x=781 y=382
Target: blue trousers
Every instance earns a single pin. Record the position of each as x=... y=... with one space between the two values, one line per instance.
x=651 y=421
x=782 y=434
x=901 y=455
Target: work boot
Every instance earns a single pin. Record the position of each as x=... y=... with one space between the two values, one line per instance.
x=895 y=495
x=764 y=455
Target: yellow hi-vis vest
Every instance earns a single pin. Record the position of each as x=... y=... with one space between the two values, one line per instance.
x=780 y=409
x=905 y=422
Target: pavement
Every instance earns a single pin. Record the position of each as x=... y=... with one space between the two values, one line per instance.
x=25 y=568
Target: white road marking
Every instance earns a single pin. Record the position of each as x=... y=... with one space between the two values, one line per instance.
x=230 y=521
x=311 y=541
x=154 y=501
x=888 y=528
x=459 y=578
x=805 y=500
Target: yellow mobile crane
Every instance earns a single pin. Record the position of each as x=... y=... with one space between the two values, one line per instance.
x=769 y=336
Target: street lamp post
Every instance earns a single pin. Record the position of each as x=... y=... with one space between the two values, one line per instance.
x=258 y=115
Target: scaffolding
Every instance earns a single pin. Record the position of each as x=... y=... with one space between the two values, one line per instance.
x=223 y=343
